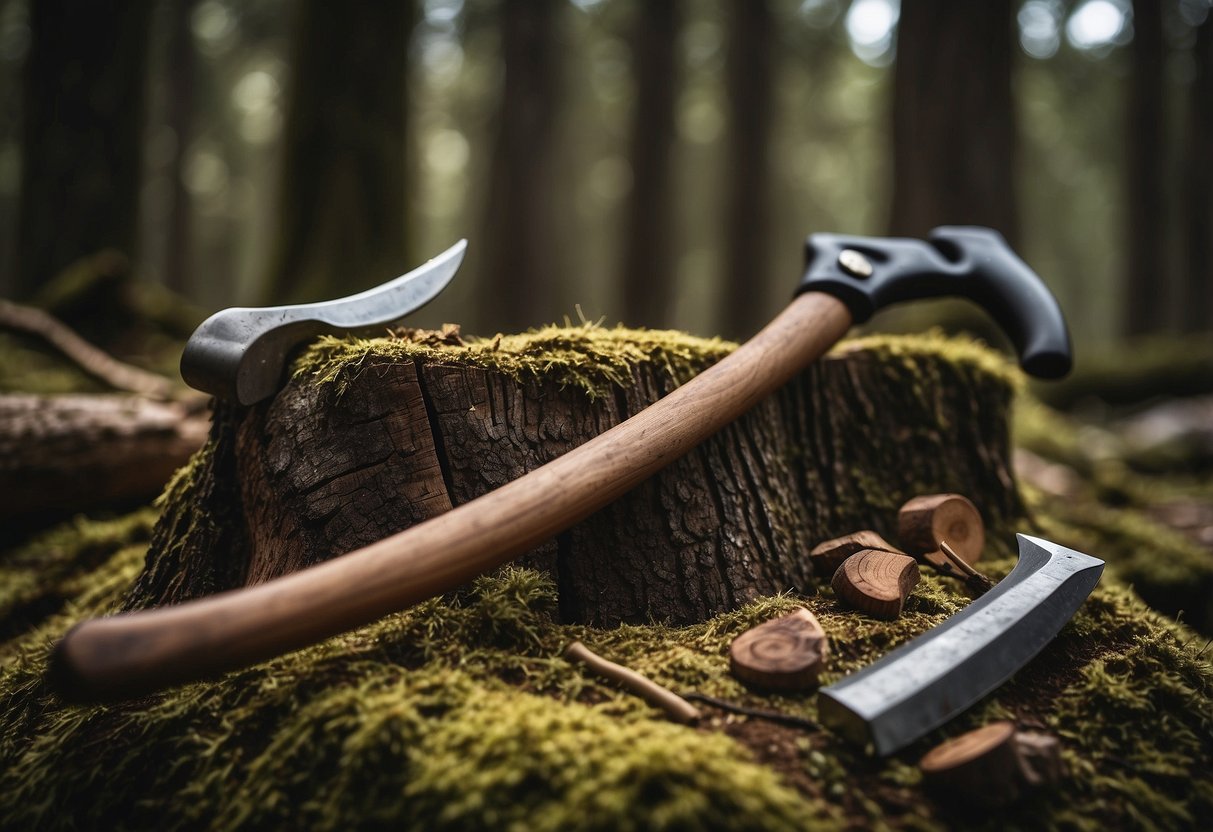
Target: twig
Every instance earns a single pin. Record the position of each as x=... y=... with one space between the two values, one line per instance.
x=974 y=580
x=89 y=358
x=677 y=708
x=759 y=713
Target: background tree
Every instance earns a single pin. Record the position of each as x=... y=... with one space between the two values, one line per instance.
x=1146 y=286
x=181 y=81
x=342 y=203
x=648 y=278
x=748 y=77
x=519 y=277
x=1198 y=169
x=954 y=117
x=83 y=118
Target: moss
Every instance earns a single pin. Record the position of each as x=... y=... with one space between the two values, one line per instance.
x=1108 y=513
x=590 y=357
x=37 y=578
x=28 y=366
x=460 y=713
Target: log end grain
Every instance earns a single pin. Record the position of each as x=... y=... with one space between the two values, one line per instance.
x=991 y=766
x=876 y=582
x=786 y=653
x=926 y=521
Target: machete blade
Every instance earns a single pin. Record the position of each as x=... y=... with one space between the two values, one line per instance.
x=240 y=353
x=930 y=679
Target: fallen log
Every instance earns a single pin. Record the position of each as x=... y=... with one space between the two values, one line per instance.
x=67 y=453
x=371 y=437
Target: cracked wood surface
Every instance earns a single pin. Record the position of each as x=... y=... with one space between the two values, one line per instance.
x=325 y=469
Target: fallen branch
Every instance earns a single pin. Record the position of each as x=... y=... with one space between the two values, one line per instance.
x=677 y=708
x=91 y=359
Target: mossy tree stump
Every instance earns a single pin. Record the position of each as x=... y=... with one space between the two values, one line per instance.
x=371 y=437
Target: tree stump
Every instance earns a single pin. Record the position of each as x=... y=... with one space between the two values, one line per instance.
x=371 y=437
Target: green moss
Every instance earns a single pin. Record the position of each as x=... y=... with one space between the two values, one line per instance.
x=1109 y=513
x=38 y=577
x=461 y=713
x=590 y=357
x=27 y=366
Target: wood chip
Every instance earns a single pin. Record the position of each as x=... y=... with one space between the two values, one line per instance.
x=991 y=766
x=876 y=582
x=828 y=556
x=786 y=653
x=924 y=522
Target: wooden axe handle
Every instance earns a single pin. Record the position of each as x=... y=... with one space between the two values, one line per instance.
x=136 y=653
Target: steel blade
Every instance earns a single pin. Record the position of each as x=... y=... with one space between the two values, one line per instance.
x=240 y=353
x=930 y=679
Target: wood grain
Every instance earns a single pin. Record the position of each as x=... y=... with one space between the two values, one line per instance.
x=876 y=582
x=134 y=653
x=786 y=653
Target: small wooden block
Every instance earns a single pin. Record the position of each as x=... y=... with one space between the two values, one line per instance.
x=876 y=582
x=923 y=522
x=828 y=556
x=786 y=653
x=991 y=766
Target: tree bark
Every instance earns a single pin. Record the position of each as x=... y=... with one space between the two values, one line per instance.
x=325 y=468
x=749 y=76
x=83 y=116
x=1147 y=293
x=519 y=273
x=953 y=117
x=342 y=204
x=647 y=273
x=1198 y=172
x=68 y=453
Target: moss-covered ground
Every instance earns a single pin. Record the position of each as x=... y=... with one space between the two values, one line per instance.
x=462 y=714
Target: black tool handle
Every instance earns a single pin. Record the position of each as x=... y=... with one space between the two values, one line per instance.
x=869 y=273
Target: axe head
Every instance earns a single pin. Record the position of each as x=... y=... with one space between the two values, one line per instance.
x=869 y=273
x=240 y=354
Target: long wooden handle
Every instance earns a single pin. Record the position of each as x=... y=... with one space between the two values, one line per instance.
x=136 y=653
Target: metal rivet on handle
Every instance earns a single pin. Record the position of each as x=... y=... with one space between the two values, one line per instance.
x=854 y=263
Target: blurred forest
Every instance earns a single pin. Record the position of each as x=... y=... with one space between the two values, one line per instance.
x=657 y=163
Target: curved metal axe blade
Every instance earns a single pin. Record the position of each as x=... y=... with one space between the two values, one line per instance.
x=240 y=353
x=930 y=679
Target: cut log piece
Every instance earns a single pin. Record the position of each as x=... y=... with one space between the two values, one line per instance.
x=786 y=653
x=828 y=556
x=371 y=437
x=991 y=766
x=925 y=521
x=876 y=582
x=69 y=453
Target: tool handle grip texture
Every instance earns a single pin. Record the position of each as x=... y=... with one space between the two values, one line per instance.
x=957 y=261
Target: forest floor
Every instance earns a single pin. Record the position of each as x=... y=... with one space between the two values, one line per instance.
x=461 y=713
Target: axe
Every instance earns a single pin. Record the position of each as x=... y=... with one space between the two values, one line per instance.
x=846 y=280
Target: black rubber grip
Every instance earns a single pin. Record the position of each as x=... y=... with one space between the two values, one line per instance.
x=957 y=261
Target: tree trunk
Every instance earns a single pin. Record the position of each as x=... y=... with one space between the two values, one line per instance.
x=647 y=271
x=750 y=88
x=83 y=115
x=401 y=433
x=342 y=206
x=181 y=79
x=519 y=273
x=1198 y=297
x=1146 y=296
x=953 y=117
